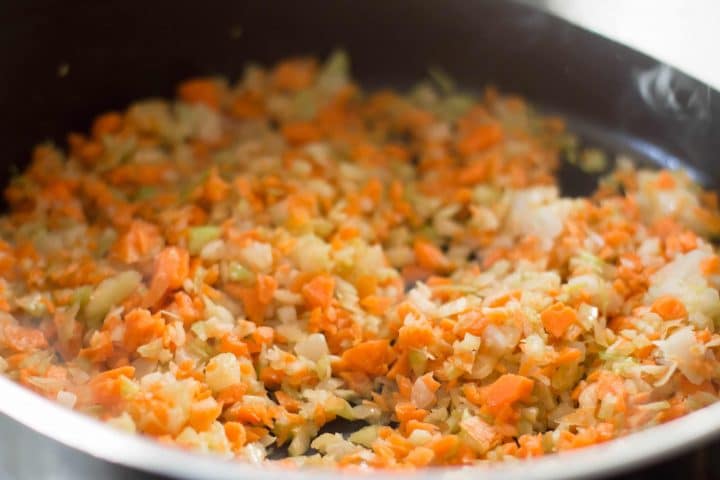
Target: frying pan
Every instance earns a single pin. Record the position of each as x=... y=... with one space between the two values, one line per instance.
x=63 y=62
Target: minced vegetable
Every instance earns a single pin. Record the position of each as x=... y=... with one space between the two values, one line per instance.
x=233 y=270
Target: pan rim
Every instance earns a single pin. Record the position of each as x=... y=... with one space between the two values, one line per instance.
x=104 y=442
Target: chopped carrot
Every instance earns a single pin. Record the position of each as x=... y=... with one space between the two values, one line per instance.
x=232 y=394
x=669 y=308
x=203 y=413
x=665 y=180
x=372 y=357
x=318 y=292
x=376 y=305
x=298 y=133
x=107 y=123
x=366 y=285
x=174 y=261
x=413 y=273
x=235 y=433
x=215 y=188
x=568 y=355
x=505 y=391
x=261 y=336
x=201 y=90
x=23 y=339
x=105 y=387
x=407 y=411
x=445 y=446
x=474 y=173
x=266 y=286
x=248 y=106
x=531 y=446
x=415 y=336
x=231 y=343
x=140 y=327
x=480 y=139
x=295 y=74
x=431 y=384
x=100 y=349
x=557 y=318
x=420 y=456
x=430 y=257
x=140 y=240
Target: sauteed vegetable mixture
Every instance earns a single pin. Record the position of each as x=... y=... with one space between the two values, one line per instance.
x=244 y=268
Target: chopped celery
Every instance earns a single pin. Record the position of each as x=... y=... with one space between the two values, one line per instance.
x=240 y=274
x=110 y=292
x=304 y=105
x=145 y=192
x=338 y=63
x=323 y=368
x=592 y=160
x=340 y=407
x=106 y=240
x=444 y=82
x=418 y=361
x=300 y=441
x=81 y=296
x=198 y=237
x=365 y=436
x=456 y=106
x=128 y=388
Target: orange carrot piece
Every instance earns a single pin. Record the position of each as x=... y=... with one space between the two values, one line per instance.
x=105 y=388
x=445 y=446
x=480 y=138
x=474 y=173
x=406 y=411
x=420 y=456
x=101 y=348
x=298 y=133
x=557 y=318
x=568 y=355
x=415 y=336
x=376 y=305
x=319 y=291
x=431 y=384
x=266 y=286
x=22 y=339
x=141 y=239
x=669 y=308
x=235 y=433
x=203 y=413
x=665 y=180
x=372 y=357
x=414 y=273
x=107 y=123
x=253 y=307
x=215 y=189
x=248 y=106
x=201 y=90
x=294 y=74
x=231 y=343
x=232 y=394
x=261 y=336
x=505 y=391
x=430 y=257
x=141 y=327
x=172 y=267
x=366 y=285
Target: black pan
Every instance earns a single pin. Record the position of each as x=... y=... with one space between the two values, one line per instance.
x=62 y=62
